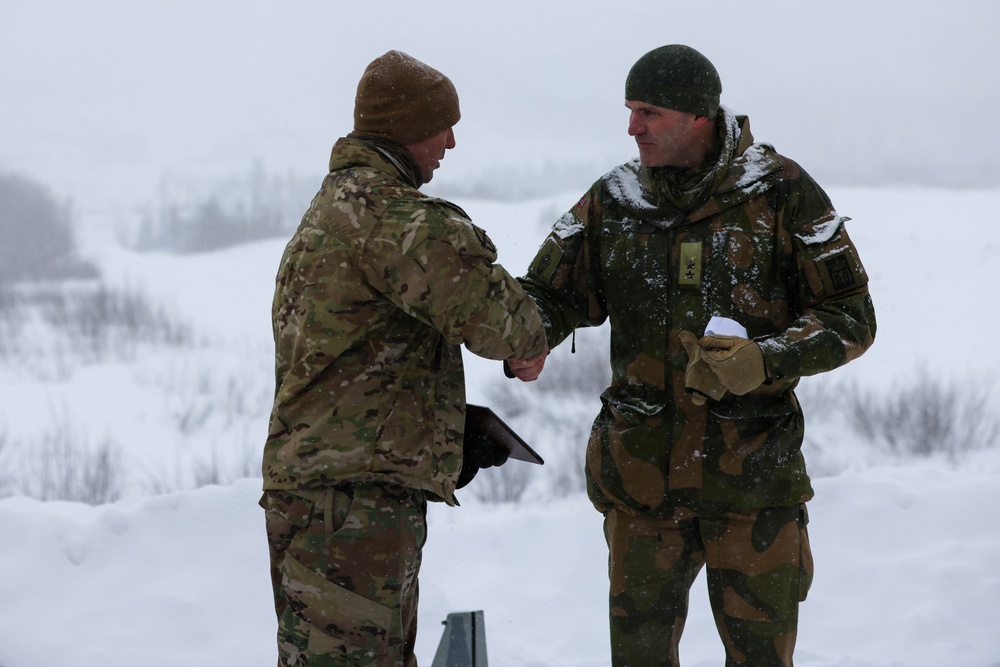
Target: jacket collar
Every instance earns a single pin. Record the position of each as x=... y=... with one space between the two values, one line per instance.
x=385 y=156
x=752 y=171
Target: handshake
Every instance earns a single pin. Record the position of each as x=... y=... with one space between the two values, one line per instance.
x=717 y=364
x=526 y=370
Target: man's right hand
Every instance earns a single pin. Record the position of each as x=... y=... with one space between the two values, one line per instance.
x=528 y=370
x=699 y=379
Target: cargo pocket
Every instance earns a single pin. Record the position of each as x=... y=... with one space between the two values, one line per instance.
x=348 y=624
x=745 y=419
x=626 y=455
x=755 y=453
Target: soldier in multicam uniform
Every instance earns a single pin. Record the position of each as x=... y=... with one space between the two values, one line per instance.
x=376 y=293
x=695 y=456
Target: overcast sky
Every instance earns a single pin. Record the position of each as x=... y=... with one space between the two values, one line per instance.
x=99 y=99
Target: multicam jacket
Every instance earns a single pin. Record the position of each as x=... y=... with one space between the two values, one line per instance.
x=376 y=292
x=766 y=249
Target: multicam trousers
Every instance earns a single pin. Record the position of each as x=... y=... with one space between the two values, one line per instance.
x=344 y=565
x=759 y=567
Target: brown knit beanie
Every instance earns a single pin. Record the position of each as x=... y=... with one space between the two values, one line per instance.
x=403 y=100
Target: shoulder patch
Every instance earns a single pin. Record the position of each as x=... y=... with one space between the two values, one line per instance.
x=840 y=270
x=839 y=273
x=482 y=237
x=452 y=208
x=548 y=259
x=468 y=238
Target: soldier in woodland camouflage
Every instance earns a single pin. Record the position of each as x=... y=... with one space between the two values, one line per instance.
x=695 y=457
x=376 y=292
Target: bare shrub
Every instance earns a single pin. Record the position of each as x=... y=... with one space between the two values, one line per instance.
x=586 y=372
x=105 y=323
x=216 y=472
x=556 y=411
x=926 y=416
x=519 y=182
x=201 y=215
x=64 y=467
x=567 y=472
x=218 y=468
x=36 y=233
x=201 y=393
x=922 y=416
x=505 y=484
x=5 y=481
x=11 y=324
x=193 y=415
x=210 y=471
x=567 y=376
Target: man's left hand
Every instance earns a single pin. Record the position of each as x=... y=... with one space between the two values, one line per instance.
x=737 y=362
x=479 y=451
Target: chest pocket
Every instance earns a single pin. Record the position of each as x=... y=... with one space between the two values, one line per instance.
x=744 y=275
x=636 y=267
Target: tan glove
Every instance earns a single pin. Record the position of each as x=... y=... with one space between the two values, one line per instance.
x=737 y=362
x=699 y=380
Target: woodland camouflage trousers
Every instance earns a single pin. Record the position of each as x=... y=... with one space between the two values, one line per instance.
x=344 y=566
x=759 y=567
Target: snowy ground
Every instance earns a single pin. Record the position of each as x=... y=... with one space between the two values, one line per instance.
x=906 y=548
x=905 y=576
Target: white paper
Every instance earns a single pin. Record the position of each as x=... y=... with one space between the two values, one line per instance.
x=723 y=326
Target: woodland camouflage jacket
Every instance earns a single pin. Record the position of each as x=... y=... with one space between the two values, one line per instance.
x=376 y=292
x=766 y=249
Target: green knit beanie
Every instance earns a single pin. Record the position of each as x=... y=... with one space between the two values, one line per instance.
x=675 y=77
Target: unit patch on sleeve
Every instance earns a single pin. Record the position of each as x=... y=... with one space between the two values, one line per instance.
x=839 y=272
